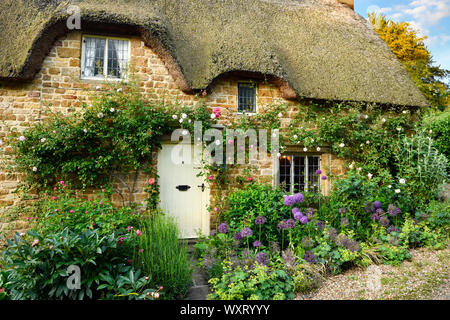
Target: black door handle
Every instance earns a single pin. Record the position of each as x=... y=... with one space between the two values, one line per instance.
x=183 y=187
x=202 y=186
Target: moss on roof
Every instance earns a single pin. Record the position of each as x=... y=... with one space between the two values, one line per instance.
x=323 y=49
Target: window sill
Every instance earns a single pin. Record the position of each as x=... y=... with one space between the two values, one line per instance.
x=101 y=79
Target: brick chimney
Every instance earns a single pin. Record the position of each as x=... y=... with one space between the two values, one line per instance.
x=349 y=3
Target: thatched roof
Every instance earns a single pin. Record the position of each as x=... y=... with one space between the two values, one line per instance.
x=318 y=49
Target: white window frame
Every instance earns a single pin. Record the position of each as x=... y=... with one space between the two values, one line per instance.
x=292 y=173
x=256 y=98
x=105 y=58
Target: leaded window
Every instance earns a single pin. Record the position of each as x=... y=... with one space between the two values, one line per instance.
x=298 y=173
x=104 y=57
x=246 y=98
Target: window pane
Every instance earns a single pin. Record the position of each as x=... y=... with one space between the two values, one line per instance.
x=117 y=58
x=285 y=173
x=313 y=178
x=299 y=173
x=94 y=54
x=246 y=97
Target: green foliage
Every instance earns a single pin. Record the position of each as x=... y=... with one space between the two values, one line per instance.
x=393 y=254
x=160 y=254
x=258 y=283
x=118 y=132
x=38 y=264
x=439 y=124
x=252 y=201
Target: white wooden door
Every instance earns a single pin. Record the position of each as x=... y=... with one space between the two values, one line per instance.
x=188 y=207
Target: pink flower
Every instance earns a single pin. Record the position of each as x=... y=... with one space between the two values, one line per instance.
x=27 y=218
x=22 y=138
x=215 y=209
x=138 y=232
x=53 y=198
x=250 y=179
x=141 y=250
x=72 y=211
x=103 y=213
x=103 y=190
x=62 y=182
x=204 y=93
x=35 y=242
x=210 y=177
x=129 y=228
x=230 y=141
x=100 y=203
x=151 y=181
x=129 y=260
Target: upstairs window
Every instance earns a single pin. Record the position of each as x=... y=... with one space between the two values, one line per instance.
x=104 y=57
x=297 y=173
x=246 y=98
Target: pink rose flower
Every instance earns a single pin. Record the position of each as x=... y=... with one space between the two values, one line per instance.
x=35 y=242
x=138 y=232
x=151 y=181
x=210 y=177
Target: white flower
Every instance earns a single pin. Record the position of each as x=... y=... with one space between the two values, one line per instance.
x=112 y=109
x=1 y=142
x=305 y=149
x=431 y=131
x=402 y=181
x=189 y=120
x=213 y=115
x=174 y=117
x=274 y=134
x=359 y=169
x=367 y=142
x=100 y=115
x=278 y=154
x=361 y=144
x=98 y=88
x=366 y=116
x=318 y=149
x=342 y=145
x=185 y=132
x=184 y=115
x=119 y=90
x=22 y=138
x=404 y=111
x=389 y=186
x=399 y=129
x=181 y=120
x=34 y=169
x=217 y=142
x=22 y=234
x=312 y=140
x=384 y=120
x=397 y=190
x=85 y=130
x=280 y=115
x=43 y=140
x=295 y=136
x=370 y=175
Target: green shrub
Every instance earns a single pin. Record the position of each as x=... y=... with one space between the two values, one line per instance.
x=258 y=283
x=393 y=255
x=439 y=124
x=160 y=254
x=37 y=265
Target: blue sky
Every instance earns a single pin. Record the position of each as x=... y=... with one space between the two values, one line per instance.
x=430 y=17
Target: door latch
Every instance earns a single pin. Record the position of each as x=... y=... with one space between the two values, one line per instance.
x=202 y=186
x=183 y=187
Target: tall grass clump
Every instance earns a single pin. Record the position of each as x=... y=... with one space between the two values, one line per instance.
x=164 y=256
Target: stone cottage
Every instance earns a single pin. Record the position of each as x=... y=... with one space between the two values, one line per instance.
x=244 y=54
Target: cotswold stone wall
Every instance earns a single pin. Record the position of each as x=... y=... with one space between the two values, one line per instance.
x=58 y=87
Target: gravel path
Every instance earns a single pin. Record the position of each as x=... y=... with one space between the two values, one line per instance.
x=426 y=276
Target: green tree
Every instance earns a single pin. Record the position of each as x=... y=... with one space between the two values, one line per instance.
x=410 y=49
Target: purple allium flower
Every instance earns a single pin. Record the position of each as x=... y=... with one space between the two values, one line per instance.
x=246 y=232
x=353 y=246
x=379 y=212
x=341 y=240
x=222 y=228
x=262 y=258
x=324 y=177
x=310 y=257
x=320 y=225
x=289 y=201
x=384 y=221
x=344 y=222
x=294 y=210
x=281 y=225
x=213 y=233
x=290 y=223
x=375 y=217
x=393 y=210
x=343 y=210
x=304 y=220
x=376 y=204
x=392 y=229
x=367 y=207
x=260 y=220
x=257 y=244
x=289 y=259
x=298 y=215
x=310 y=213
x=332 y=233
x=318 y=171
x=307 y=242
x=237 y=236
x=298 y=197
